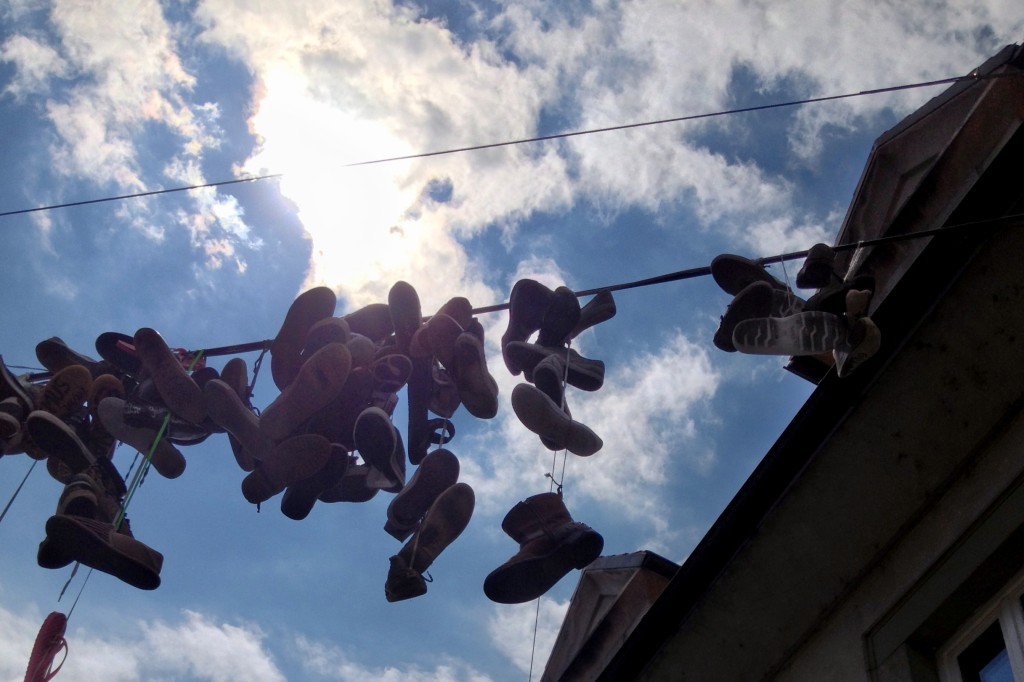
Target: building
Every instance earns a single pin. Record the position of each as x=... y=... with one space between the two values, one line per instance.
x=882 y=536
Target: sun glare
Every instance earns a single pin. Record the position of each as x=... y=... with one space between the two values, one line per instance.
x=354 y=215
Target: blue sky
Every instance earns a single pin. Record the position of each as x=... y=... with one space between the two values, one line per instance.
x=110 y=97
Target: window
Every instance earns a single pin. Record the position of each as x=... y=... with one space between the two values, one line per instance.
x=990 y=645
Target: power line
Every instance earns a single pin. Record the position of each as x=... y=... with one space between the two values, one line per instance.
x=973 y=76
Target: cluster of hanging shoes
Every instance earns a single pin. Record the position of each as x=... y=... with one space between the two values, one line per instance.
x=766 y=317
x=327 y=437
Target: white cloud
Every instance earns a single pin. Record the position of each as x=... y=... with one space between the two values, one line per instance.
x=107 y=106
x=331 y=662
x=511 y=628
x=35 y=64
x=195 y=648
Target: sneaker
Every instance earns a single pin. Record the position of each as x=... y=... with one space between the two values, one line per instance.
x=406 y=314
x=478 y=390
x=290 y=462
x=227 y=410
x=100 y=546
x=361 y=349
x=140 y=413
x=352 y=487
x=286 y=351
x=806 y=333
x=327 y=330
x=527 y=304
x=444 y=394
x=119 y=350
x=55 y=355
x=540 y=414
x=438 y=472
x=584 y=373
x=49 y=642
x=549 y=377
x=735 y=273
x=599 y=309
x=66 y=391
x=560 y=318
x=176 y=388
x=166 y=459
x=12 y=387
x=391 y=372
x=318 y=382
x=377 y=441
x=58 y=440
x=861 y=344
x=100 y=441
x=754 y=301
x=299 y=498
x=403 y=582
x=372 y=321
x=818 y=269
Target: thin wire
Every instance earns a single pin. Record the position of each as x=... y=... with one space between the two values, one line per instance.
x=533 y=647
x=15 y=495
x=973 y=76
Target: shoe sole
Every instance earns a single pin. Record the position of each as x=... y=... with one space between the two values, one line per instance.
x=286 y=350
x=288 y=463
x=442 y=524
x=806 y=333
x=166 y=459
x=530 y=578
x=229 y=412
x=86 y=544
x=66 y=391
x=584 y=373
x=438 y=472
x=478 y=390
x=318 y=382
x=58 y=440
x=538 y=413
x=179 y=392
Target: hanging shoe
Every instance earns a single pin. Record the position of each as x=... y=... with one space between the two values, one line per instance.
x=818 y=270
x=372 y=321
x=735 y=273
x=478 y=390
x=806 y=333
x=862 y=342
x=540 y=414
x=549 y=377
x=550 y=545
x=96 y=493
x=443 y=522
x=438 y=472
x=599 y=309
x=143 y=414
x=100 y=546
x=176 y=388
x=119 y=350
x=406 y=313
x=12 y=387
x=527 y=304
x=352 y=487
x=584 y=373
x=66 y=391
x=323 y=332
x=56 y=439
x=378 y=442
x=100 y=441
x=248 y=442
x=336 y=421
x=318 y=382
x=55 y=355
x=286 y=351
x=444 y=394
x=300 y=498
x=561 y=317
x=290 y=462
x=166 y=459
x=49 y=642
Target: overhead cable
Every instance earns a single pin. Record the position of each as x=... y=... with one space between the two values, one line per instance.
x=973 y=76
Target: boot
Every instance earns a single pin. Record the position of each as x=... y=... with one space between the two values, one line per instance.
x=101 y=546
x=527 y=304
x=438 y=472
x=550 y=545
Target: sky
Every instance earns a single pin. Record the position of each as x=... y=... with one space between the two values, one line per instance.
x=111 y=97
